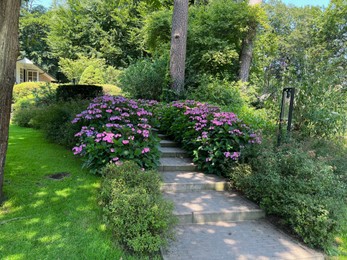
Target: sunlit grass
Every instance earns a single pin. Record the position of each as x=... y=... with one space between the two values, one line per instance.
x=50 y=219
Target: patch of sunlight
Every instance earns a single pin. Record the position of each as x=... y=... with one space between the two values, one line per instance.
x=48 y=220
x=63 y=193
x=102 y=227
x=50 y=239
x=88 y=186
x=8 y=207
x=30 y=234
x=41 y=194
x=84 y=208
x=32 y=221
x=15 y=257
x=38 y=203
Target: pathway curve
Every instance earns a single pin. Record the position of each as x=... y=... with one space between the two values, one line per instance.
x=215 y=223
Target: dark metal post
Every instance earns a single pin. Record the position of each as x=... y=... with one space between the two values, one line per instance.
x=286 y=114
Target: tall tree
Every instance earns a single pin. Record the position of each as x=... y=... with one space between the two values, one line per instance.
x=247 y=46
x=178 y=44
x=9 y=20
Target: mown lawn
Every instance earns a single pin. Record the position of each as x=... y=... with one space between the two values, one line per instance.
x=50 y=219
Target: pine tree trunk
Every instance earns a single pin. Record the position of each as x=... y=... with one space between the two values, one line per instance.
x=9 y=19
x=247 y=48
x=178 y=45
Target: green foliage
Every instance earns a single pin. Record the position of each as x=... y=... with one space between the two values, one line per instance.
x=300 y=188
x=134 y=208
x=105 y=29
x=33 y=31
x=219 y=92
x=304 y=48
x=23 y=116
x=73 y=69
x=55 y=121
x=26 y=89
x=92 y=75
x=157 y=31
x=215 y=33
x=145 y=79
x=111 y=74
x=110 y=89
x=68 y=92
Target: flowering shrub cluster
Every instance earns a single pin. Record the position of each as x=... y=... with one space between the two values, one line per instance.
x=117 y=129
x=214 y=138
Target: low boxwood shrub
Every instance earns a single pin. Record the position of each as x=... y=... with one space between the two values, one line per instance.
x=116 y=129
x=69 y=92
x=134 y=208
x=297 y=186
x=214 y=138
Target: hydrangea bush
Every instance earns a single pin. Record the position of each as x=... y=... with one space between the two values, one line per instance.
x=214 y=138
x=117 y=129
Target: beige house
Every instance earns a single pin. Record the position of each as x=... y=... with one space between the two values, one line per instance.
x=27 y=71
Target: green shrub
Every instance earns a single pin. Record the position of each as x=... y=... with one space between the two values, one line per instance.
x=145 y=79
x=23 y=116
x=92 y=75
x=134 y=208
x=219 y=92
x=300 y=188
x=55 y=121
x=69 y=92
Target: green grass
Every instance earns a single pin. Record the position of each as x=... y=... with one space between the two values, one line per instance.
x=50 y=219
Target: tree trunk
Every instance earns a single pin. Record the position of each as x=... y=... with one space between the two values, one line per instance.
x=9 y=19
x=178 y=45
x=247 y=48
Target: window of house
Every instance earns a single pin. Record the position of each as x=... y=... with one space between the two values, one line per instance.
x=32 y=75
x=21 y=75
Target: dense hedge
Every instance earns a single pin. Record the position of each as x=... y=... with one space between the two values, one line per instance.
x=68 y=92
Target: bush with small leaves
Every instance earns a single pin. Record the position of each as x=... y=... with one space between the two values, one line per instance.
x=135 y=209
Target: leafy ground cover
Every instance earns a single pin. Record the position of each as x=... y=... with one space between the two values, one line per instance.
x=54 y=219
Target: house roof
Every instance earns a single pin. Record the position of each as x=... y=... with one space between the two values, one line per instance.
x=28 y=64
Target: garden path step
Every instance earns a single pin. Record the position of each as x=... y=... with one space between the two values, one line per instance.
x=173 y=152
x=212 y=206
x=185 y=181
x=176 y=164
x=168 y=143
x=248 y=240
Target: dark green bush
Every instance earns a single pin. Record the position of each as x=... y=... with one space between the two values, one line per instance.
x=134 y=208
x=145 y=79
x=69 y=92
x=300 y=188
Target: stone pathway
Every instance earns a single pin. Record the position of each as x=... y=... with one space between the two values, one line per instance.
x=215 y=223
